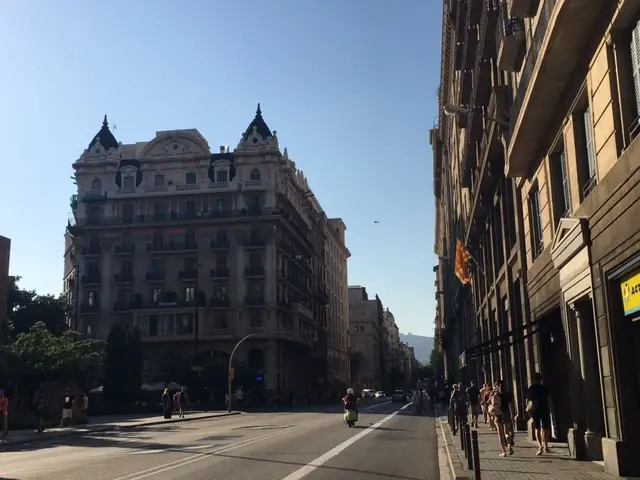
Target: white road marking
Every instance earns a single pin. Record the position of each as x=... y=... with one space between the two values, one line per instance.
x=151 y=451
x=321 y=460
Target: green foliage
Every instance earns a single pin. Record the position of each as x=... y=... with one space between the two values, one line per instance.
x=25 y=308
x=123 y=365
x=39 y=356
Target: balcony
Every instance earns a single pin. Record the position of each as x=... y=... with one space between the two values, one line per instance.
x=172 y=247
x=254 y=185
x=302 y=310
x=94 y=278
x=510 y=40
x=219 y=273
x=126 y=277
x=220 y=244
x=254 y=242
x=92 y=250
x=169 y=302
x=153 y=277
x=188 y=274
x=93 y=196
x=254 y=271
x=254 y=301
x=125 y=249
x=221 y=332
x=86 y=307
x=219 y=302
x=524 y=8
x=122 y=306
x=563 y=28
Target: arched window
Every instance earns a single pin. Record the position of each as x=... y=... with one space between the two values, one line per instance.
x=96 y=185
x=255 y=174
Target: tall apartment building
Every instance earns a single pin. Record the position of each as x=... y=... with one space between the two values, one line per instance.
x=567 y=123
x=5 y=255
x=199 y=250
x=336 y=255
x=367 y=334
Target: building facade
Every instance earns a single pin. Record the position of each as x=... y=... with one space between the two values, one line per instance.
x=337 y=255
x=199 y=250
x=5 y=255
x=367 y=338
x=567 y=127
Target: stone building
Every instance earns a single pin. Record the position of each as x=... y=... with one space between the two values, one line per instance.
x=201 y=249
x=567 y=139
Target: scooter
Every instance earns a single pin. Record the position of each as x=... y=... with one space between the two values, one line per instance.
x=350 y=417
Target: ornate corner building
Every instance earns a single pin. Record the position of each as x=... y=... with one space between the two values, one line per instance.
x=200 y=249
x=536 y=170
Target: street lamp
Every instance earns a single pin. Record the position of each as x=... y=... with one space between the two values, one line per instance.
x=229 y=378
x=452 y=110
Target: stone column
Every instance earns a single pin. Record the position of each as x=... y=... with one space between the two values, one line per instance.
x=592 y=395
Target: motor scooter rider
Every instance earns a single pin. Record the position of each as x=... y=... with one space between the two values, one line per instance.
x=350 y=400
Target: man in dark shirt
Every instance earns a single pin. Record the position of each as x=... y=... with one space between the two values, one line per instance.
x=539 y=407
x=508 y=414
x=473 y=394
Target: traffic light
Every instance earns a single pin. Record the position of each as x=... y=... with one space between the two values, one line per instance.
x=232 y=374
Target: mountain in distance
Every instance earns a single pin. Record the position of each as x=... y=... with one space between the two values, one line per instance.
x=422 y=346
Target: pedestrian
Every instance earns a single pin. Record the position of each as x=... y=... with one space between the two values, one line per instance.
x=4 y=416
x=40 y=406
x=67 y=408
x=458 y=405
x=508 y=415
x=483 y=403
x=487 y=398
x=473 y=394
x=495 y=410
x=165 y=400
x=183 y=402
x=539 y=406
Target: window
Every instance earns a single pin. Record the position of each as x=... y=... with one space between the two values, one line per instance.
x=221 y=291
x=168 y=325
x=127 y=213
x=190 y=208
x=126 y=268
x=190 y=238
x=255 y=290
x=537 y=242
x=221 y=262
x=254 y=203
x=222 y=176
x=190 y=178
x=157 y=265
x=590 y=153
x=92 y=299
x=96 y=185
x=184 y=324
x=158 y=240
x=189 y=264
x=156 y=293
x=158 y=180
x=93 y=268
x=254 y=175
x=189 y=294
x=94 y=215
x=255 y=260
x=221 y=236
x=635 y=64
x=160 y=211
x=220 y=320
x=128 y=182
x=256 y=233
x=125 y=297
x=153 y=325
x=255 y=320
x=560 y=185
x=221 y=205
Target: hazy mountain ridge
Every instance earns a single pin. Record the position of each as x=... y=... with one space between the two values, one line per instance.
x=422 y=346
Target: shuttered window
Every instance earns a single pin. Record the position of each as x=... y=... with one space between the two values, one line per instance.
x=536 y=222
x=565 y=185
x=635 y=63
x=590 y=152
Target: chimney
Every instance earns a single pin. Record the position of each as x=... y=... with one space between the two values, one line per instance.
x=221 y=148
x=227 y=148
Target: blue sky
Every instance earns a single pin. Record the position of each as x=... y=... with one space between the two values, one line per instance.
x=350 y=86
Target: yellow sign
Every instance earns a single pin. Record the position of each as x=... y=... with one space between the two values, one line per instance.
x=630 y=289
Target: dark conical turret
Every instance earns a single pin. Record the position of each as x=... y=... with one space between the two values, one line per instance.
x=261 y=126
x=107 y=140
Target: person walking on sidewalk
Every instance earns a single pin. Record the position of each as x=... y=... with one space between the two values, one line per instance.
x=67 y=409
x=495 y=410
x=4 y=416
x=487 y=399
x=167 y=411
x=483 y=403
x=508 y=415
x=40 y=407
x=539 y=406
x=473 y=394
x=458 y=405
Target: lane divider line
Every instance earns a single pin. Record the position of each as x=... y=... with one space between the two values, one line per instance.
x=321 y=460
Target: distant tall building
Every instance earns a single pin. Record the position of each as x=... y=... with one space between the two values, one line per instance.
x=201 y=249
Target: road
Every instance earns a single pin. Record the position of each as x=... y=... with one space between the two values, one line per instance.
x=389 y=442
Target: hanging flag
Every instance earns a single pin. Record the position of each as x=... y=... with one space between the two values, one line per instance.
x=463 y=257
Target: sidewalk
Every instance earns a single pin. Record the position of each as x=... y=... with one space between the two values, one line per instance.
x=522 y=465
x=106 y=423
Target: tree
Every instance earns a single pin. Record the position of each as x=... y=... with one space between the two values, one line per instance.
x=122 y=366
x=25 y=308
x=436 y=361
x=39 y=356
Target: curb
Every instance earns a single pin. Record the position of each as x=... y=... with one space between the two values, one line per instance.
x=456 y=473
x=114 y=428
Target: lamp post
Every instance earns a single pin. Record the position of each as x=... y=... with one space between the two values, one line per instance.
x=452 y=110
x=229 y=370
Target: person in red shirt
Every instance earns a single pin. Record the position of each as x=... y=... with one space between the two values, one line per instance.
x=4 y=415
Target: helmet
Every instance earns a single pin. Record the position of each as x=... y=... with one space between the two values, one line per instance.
x=349 y=391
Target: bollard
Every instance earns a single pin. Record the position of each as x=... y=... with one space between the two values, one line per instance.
x=463 y=443
x=476 y=455
x=467 y=441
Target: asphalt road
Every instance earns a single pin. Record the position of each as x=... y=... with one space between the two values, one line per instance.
x=388 y=442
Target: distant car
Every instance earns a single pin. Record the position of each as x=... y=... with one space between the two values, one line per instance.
x=380 y=394
x=399 y=396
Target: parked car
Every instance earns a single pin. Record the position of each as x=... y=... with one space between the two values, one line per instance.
x=380 y=394
x=399 y=396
